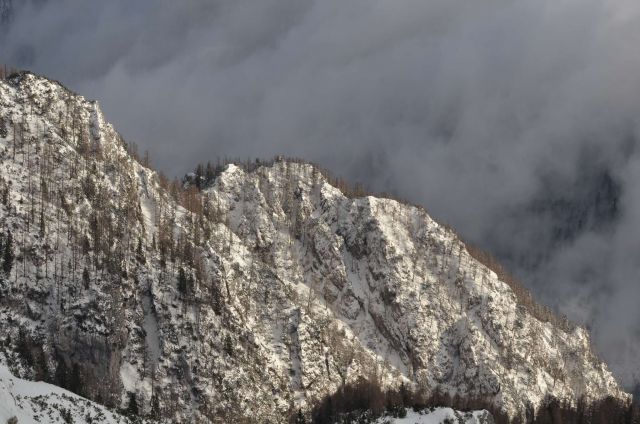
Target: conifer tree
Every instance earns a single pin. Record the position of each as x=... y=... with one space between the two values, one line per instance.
x=216 y=298
x=228 y=345
x=300 y=418
x=182 y=281
x=7 y=258
x=3 y=128
x=140 y=252
x=132 y=409
x=42 y=223
x=86 y=278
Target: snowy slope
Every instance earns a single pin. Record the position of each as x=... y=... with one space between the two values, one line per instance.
x=439 y=416
x=36 y=402
x=255 y=297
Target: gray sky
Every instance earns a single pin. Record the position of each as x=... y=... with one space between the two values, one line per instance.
x=516 y=121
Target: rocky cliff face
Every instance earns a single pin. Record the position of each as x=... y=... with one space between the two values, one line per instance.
x=253 y=297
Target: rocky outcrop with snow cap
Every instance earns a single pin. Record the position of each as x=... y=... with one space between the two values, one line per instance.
x=256 y=296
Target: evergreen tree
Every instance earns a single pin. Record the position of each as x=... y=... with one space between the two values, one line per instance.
x=132 y=409
x=228 y=345
x=190 y=284
x=3 y=128
x=216 y=298
x=42 y=223
x=140 y=252
x=7 y=258
x=184 y=282
x=209 y=173
x=199 y=172
x=300 y=418
x=86 y=278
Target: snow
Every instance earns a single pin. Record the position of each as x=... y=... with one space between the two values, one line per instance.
x=128 y=376
x=148 y=212
x=438 y=416
x=36 y=402
x=150 y=326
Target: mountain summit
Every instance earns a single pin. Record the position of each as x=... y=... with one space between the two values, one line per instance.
x=254 y=291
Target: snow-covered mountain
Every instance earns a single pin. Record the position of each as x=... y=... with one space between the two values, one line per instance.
x=255 y=296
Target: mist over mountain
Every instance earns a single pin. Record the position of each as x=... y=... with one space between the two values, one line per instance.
x=514 y=121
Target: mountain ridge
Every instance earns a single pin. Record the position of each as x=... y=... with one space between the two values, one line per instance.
x=258 y=294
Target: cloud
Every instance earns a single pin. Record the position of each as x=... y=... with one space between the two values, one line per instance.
x=515 y=121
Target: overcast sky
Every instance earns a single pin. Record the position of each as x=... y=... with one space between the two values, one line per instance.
x=516 y=121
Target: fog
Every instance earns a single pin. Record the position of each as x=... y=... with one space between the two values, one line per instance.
x=514 y=121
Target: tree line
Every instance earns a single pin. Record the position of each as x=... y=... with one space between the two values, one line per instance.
x=365 y=400
x=204 y=175
x=524 y=297
x=7 y=71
